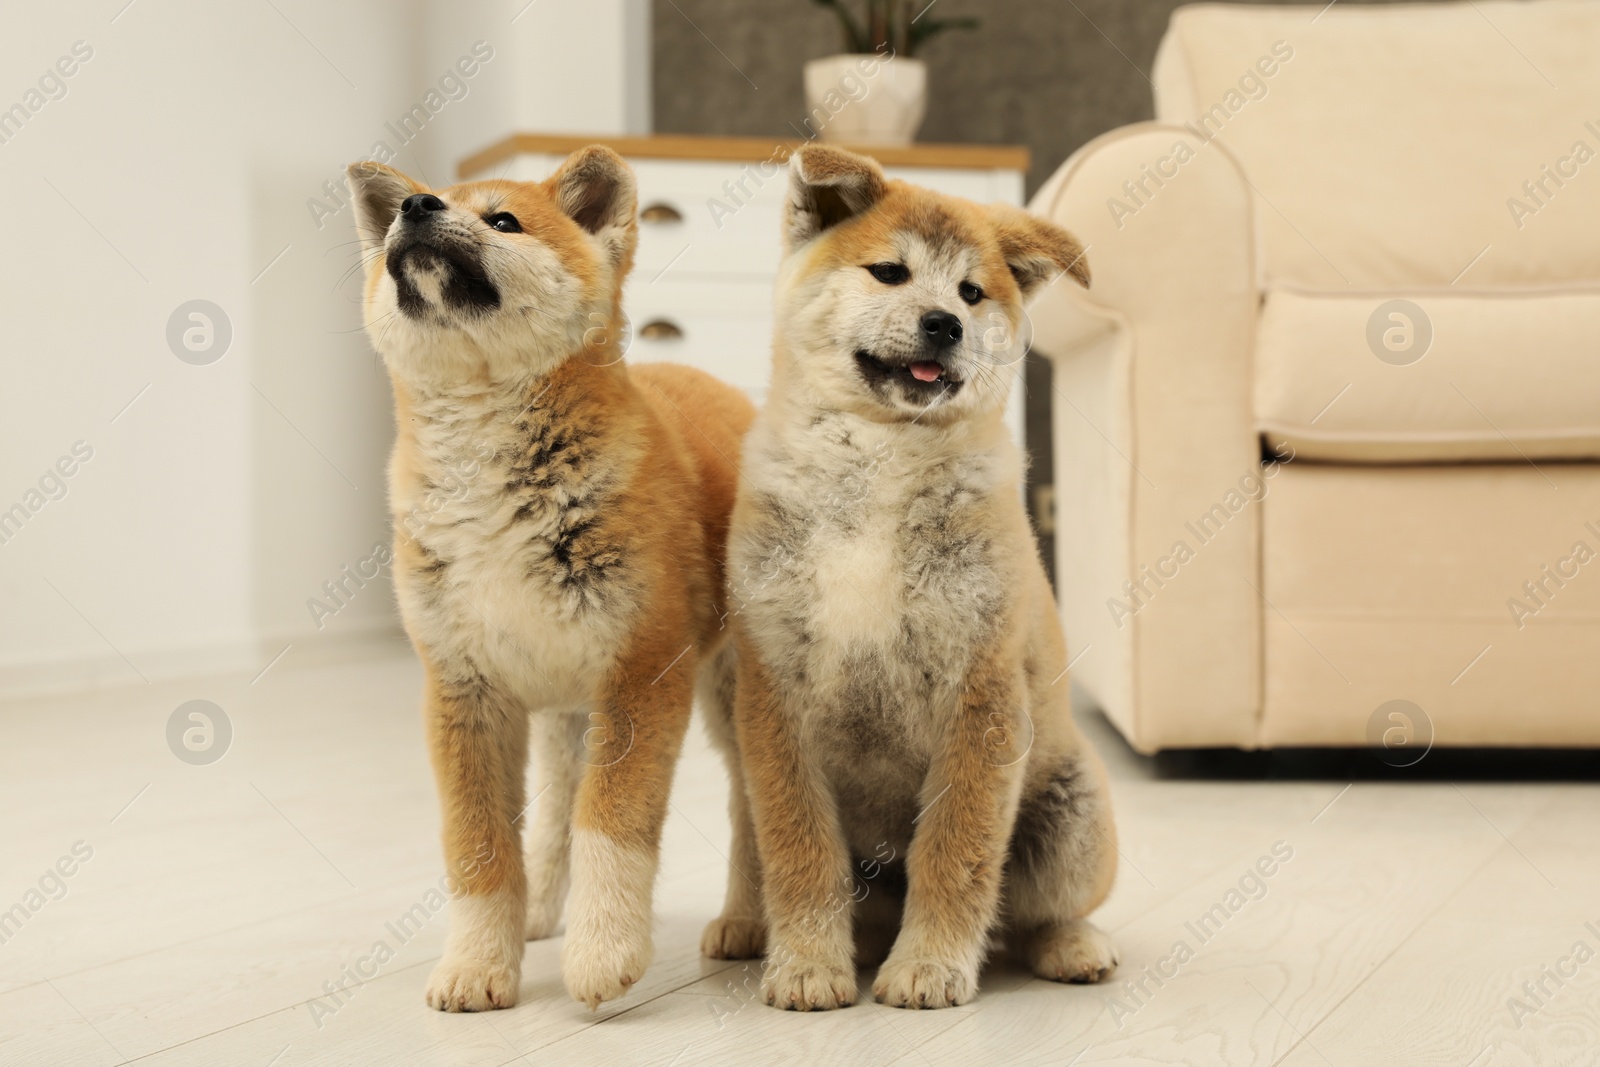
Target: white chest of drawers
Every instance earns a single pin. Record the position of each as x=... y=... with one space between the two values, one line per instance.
x=709 y=237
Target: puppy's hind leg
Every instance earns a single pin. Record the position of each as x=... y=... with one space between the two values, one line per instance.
x=1062 y=859
x=740 y=932
x=558 y=754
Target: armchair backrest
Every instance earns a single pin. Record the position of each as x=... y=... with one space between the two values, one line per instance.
x=1400 y=146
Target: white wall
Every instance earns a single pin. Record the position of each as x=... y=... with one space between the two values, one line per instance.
x=184 y=162
x=571 y=66
x=594 y=73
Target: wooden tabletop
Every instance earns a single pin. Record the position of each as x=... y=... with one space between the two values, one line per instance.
x=743 y=149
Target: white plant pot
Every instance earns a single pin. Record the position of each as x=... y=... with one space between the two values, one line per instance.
x=866 y=98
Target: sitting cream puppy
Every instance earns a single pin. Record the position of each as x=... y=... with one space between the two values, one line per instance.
x=901 y=668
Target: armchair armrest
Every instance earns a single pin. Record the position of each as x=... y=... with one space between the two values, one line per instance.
x=1157 y=462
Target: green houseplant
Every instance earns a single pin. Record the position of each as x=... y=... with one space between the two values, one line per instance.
x=891 y=28
x=876 y=90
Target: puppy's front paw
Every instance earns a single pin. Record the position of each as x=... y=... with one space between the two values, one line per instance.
x=460 y=983
x=911 y=983
x=1076 y=951
x=809 y=985
x=728 y=938
x=599 y=969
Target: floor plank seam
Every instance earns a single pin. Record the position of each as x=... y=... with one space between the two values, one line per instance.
x=1415 y=929
x=265 y=1015
x=629 y=1009
x=218 y=933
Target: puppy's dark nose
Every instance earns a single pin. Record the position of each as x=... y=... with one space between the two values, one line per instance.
x=942 y=328
x=415 y=207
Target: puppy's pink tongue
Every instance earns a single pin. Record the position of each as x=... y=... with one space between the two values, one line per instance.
x=926 y=371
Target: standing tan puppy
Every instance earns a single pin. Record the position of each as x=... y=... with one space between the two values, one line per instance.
x=901 y=669
x=560 y=524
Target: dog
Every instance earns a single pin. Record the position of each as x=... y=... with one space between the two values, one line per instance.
x=560 y=526
x=901 y=705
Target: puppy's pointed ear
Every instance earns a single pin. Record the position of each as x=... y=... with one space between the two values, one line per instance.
x=826 y=187
x=378 y=192
x=1037 y=251
x=596 y=189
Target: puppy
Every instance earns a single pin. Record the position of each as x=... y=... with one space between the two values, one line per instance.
x=902 y=708
x=560 y=525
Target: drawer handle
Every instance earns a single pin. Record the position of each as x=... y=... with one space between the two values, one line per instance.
x=661 y=330
x=659 y=213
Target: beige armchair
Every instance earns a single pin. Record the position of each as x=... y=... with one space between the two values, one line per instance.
x=1327 y=425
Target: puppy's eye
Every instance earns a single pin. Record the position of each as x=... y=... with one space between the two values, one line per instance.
x=970 y=293
x=505 y=222
x=890 y=273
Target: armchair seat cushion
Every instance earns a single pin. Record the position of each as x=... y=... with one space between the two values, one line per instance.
x=1502 y=375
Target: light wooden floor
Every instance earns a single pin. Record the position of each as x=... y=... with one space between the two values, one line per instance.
x=219 y=899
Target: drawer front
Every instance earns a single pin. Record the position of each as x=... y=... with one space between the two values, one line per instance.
x=979 y=185
x=725 y=329
x=716 y=219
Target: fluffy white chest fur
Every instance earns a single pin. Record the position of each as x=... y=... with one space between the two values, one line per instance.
x=880 y=567
x=499 y=504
